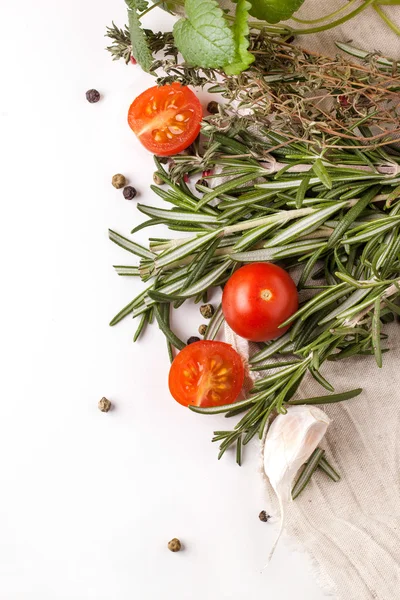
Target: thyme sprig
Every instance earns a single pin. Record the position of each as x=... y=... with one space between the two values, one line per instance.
x=304 y=94
x=121 y=47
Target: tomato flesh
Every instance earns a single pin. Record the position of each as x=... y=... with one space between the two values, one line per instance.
x=206 y=373
x=166 y=119
x=257 y=299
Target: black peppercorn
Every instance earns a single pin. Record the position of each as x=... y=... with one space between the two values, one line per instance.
x=92 y=96
x=213 y=107
x=193 y=339
x=187 y=151
x=207 y=310
x=202 y=182
x=263 y=516
x=162 y=159
x=129 y=192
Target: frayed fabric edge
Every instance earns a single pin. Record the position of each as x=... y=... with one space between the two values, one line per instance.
x=314 y=568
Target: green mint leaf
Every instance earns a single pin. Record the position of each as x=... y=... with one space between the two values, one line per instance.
x=139 y=5
x=274 y=11
x=243 y=58
x=204 y=37
x=140 y=48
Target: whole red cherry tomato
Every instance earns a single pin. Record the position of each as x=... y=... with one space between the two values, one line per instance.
x=257 y=299
x=166 y=119
x=206 y=373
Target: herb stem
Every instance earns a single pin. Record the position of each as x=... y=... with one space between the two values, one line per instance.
x=155 y=5
x=340 y=21
x=387 y=20
x=326 y=17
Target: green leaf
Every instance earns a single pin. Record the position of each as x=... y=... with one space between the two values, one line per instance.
x=302 y=190
x=304 y=226
x=141 y=326
x=321 y=380
x=215 y=324
x=128 y=308
x=140 y=48
x=160 y=297
x=126 y=244
x=392 y=196
x=332 y=398
x=306 y=474
x=243 y=58
x=318 y=301
x=192 y=245
x=328 y=469
x=274 y=11
x=239 y=451
x=200 y=265
x=322 y=174
x=393 y=307
x=381 y=60
x=348 y=303
x=376 y=332
x=176 y=216
x=206 y=281
x=216 y=410
x=271 y=349
x=139 y=5
x=128 y=270
x=227 y=186
x=351 y=216
x=268 y=254
x=204 y=37
x=252 y=236
x=171 y=337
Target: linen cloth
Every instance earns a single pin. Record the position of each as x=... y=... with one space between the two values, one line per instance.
x=351 y=529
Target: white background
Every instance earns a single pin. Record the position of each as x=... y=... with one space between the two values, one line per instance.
x=88 y=501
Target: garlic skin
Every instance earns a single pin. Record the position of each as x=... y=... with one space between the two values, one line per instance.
x=289 y=443
x=243 y=348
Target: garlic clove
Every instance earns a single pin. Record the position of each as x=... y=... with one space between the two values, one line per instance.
x=289 y=443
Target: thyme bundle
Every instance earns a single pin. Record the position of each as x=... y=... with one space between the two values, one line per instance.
x=310 y=181
x=209 y=35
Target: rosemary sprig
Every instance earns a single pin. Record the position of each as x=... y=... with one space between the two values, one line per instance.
x=340 y=230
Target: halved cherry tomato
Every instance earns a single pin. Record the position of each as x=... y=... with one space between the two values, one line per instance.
x=166 y=119
x=206 y=373
x=257 y=299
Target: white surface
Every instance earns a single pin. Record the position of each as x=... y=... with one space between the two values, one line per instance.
x=88 y=500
